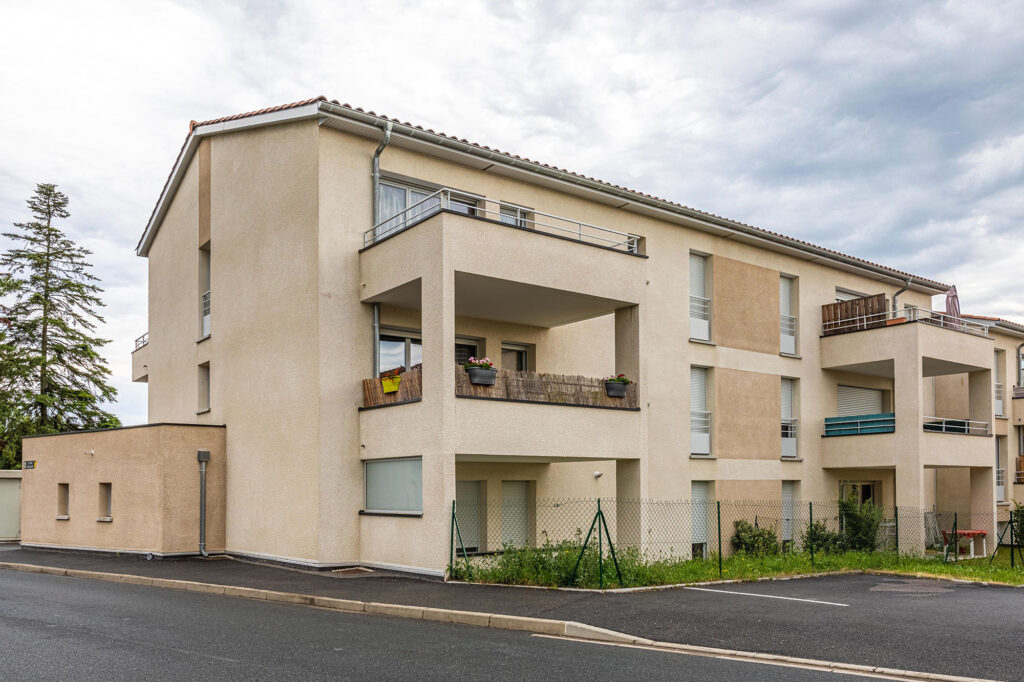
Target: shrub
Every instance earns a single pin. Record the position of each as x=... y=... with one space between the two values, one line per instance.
x=860 y=524
x=822 y=539
x=755 y=541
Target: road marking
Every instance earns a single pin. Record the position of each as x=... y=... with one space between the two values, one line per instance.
x=766 y=596
x=834 y=667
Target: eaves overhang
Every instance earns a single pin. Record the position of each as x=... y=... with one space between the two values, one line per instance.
x=369 y=124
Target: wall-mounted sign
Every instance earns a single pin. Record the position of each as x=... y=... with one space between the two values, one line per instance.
x=28 y=464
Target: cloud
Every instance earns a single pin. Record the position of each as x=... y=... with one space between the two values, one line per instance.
x=890 y=131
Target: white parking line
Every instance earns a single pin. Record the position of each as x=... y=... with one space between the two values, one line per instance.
x=766 y=596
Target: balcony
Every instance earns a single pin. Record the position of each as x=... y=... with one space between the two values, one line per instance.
x=410 y=389
x=140 y=359
x=963 y=427
x=446 y=199
x=859 y=425
x=870 y=312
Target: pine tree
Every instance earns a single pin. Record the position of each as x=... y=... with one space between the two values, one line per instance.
x=52 y=320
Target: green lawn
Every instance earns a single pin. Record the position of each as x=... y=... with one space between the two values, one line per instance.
x=552 y=566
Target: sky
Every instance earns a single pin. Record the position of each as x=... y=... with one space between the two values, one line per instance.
x=890 y=131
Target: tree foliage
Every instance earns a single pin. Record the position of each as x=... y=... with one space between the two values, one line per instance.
x=54 y=378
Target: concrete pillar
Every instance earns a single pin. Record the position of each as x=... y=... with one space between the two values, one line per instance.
x=629 y=517
x=909 y=484
x=437 y=294
x=627 y=342
x=983 y=503
x=981 y=397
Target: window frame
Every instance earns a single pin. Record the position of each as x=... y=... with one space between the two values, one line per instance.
x=367 y=510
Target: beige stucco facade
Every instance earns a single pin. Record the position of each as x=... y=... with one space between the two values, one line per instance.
x=135 y=490
x=279 y=208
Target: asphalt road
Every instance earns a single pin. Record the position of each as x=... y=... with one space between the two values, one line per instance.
x=58 y=628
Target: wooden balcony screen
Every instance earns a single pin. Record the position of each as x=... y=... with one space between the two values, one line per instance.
x=410 y=388
x=559 y=389
x=854 y=315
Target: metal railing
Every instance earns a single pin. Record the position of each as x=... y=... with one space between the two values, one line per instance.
x=789 y=428
x=890 y=317
x=446 y=198
x=789 y=431
x=1018 y=476
x=787 y=325
x=142 y=341
x=969 y=427
x=700 y=422
x=700 y=308
x=858 y=425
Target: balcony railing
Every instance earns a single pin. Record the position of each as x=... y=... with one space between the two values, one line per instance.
x=700 y=433
x=700 y=318
x=1000 y=485
x=444 y=199
x=537 y=387
x=1000 y=394
x=789 y=431
x=142 y=341
x=1018 y=392
x=205 y=305
x=861 y=424
x=869 y=313
x=787 y=333
x=967 y=427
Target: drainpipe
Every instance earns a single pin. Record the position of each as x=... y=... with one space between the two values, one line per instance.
x=203 y=456
x=376 y=172
x=897 y=295
x=376 y=340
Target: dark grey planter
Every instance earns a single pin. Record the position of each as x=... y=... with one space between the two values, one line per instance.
x=615 y=389
x=478 y=376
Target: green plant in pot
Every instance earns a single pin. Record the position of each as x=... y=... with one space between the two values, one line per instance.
x=481 y=372
x=616 y=386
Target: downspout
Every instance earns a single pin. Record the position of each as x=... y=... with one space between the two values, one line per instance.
x=897 y=295
x=203 y=456
x=376 y=340
x=376 y=172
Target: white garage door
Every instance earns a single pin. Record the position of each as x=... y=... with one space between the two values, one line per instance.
x=852 y=401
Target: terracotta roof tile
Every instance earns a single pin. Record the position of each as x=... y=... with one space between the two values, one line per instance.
x=712 y=216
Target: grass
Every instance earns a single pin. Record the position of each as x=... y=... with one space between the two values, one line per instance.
x=552 y=566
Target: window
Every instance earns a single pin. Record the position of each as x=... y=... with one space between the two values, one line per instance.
x=700 y=302
x=203 y=381
x=700 y=417
x=787 y=315
x=1000 y=468
x=204 y=291
x=860 y=491
x=399 y=206
x=104 y=513
x=515 y=215
x=514 y=357
x=847 y=295
x=997 y=381
x=466 y=348
x=789 y=423
x=853 y=401
x=400 y=350
x=394 y=486
x=462 y=205
x=63 y=500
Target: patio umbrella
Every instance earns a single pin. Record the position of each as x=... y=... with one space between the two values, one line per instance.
x=952 y=305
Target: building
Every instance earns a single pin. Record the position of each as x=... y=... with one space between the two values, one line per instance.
x=298 y=252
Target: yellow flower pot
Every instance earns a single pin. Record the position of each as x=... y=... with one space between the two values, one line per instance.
x=390 y=384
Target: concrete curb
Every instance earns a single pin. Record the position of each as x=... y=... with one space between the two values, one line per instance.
x=540 y=626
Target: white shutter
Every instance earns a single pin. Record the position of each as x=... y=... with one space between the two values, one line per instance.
x=852 y=401
x=698 y=389
x=787 y=398
x=468 y=512
x=394 y=485
x=698 y=275
x=514 y=519
x=785 y=296
x=699 y=502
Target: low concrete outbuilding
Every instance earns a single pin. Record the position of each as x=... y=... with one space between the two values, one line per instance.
x=134 y=489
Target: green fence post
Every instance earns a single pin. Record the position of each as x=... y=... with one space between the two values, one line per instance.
x=896 y=517
x=611 y=548
x=1013 y=545
x=718 y=508
x=810 y=529
x=451 y=543
x=600 y=548
x=576 y=568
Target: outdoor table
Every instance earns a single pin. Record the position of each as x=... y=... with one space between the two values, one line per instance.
x=970 y=535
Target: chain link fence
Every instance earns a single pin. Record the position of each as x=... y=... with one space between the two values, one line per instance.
x=682 y=530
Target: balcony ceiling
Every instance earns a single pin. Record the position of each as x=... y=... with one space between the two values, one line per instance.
x=930 y=367
x=503 y=300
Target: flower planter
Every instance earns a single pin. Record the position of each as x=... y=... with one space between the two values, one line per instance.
x=390 y=384
x=895 y=320
x=478 y=376
x=615 y=389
